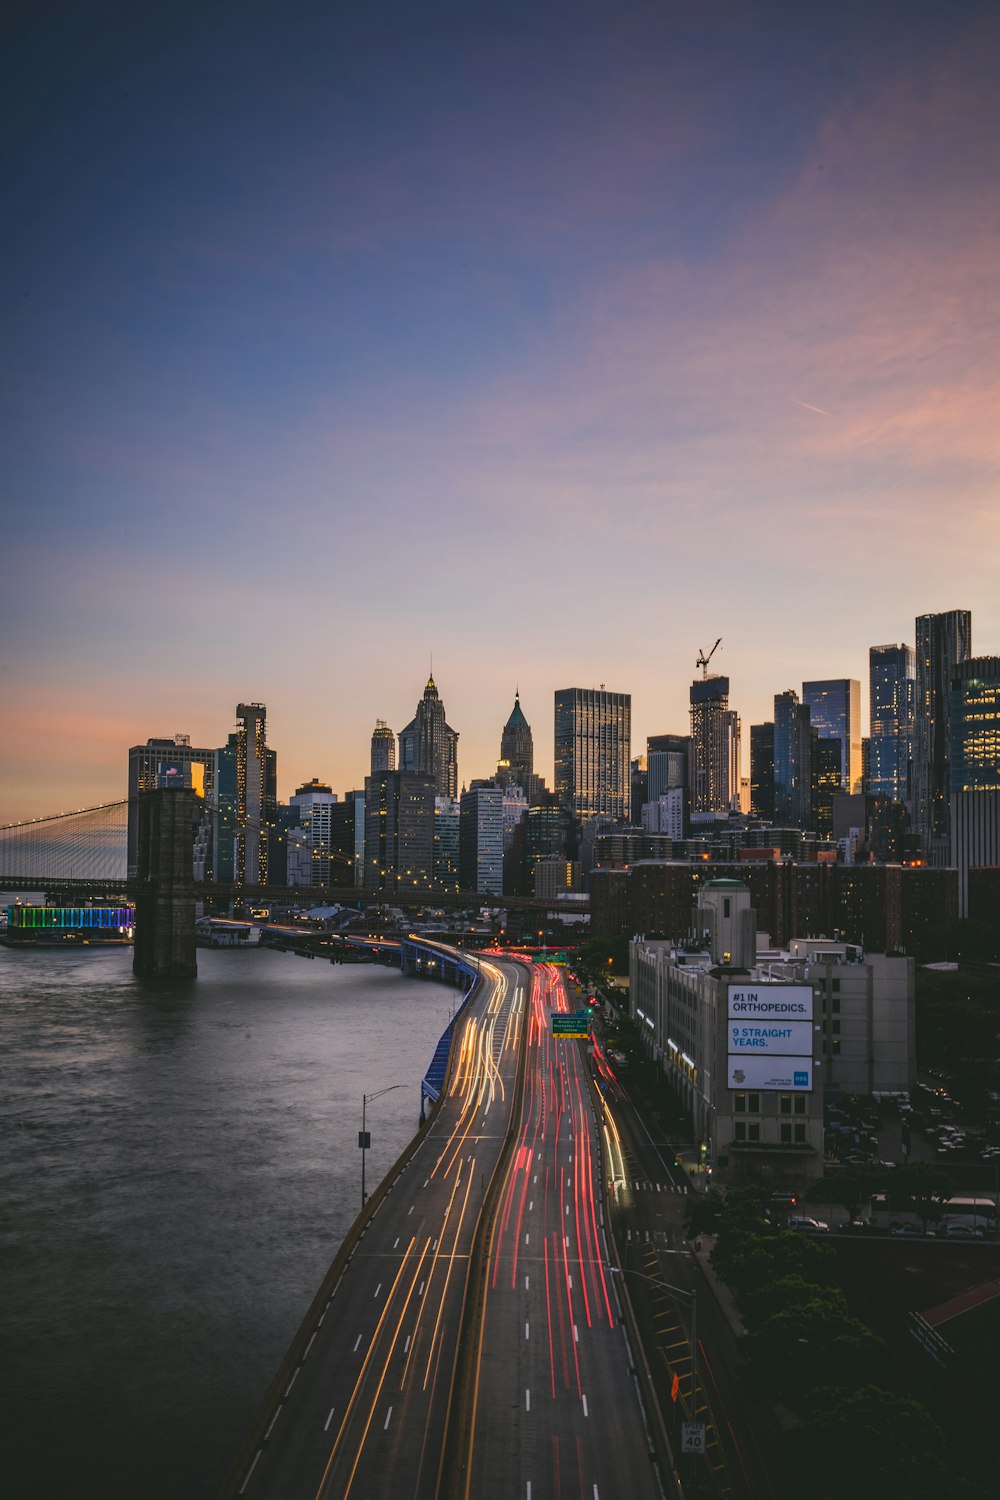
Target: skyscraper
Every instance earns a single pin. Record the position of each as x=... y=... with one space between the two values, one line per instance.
x=147 y=762
x=480 y=846
x=399 y=832
x=762 y=771
x=314 y=802
x=974 y=726
x=943 y=642
x=892 y=693
x=792 y=761
x=256 y=794
x=715 y=737
x=517 y=752
x=593 y=733
x=383 y=748
x=835 y=714
x=429 y=746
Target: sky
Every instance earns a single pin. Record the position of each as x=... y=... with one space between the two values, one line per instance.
x=547 y=341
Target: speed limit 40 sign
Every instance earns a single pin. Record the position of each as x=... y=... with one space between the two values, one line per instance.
x=692 y=1437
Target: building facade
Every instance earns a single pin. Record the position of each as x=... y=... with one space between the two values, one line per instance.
x=715 y=747
x=399 y=832
x=256 y=795
x=835 y=714
x=314 y=802
x=383 y=757
x=892 y=695
x=428 y=746
x=792 y=761
x=593 y=731
x=943 y=642
x=481 y=839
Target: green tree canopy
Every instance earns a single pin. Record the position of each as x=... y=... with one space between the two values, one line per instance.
x=810 y=1344
x=747 y=1259
x=789 y=1293
x=867 y=1444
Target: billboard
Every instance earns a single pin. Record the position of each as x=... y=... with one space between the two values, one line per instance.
x=771 y=1002
x=770 y=1037
x=784 y=1039
x=789 y=1074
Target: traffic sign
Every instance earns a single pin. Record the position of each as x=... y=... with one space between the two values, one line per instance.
x=571 y=1023
x=692 y=1437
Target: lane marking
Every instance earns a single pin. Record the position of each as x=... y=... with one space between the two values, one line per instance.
x=406 y=1346
x=385 y=1425
x=586 y=1413
x=527 y=1400
x=377 y=1290
x=526 y=1330
x=576 y=1334
x=328 y=1420
x=421 y=1291
x=397 y=1242
x=356 y=1345
x=526 y=1283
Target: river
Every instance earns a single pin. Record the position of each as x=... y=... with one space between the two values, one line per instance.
x=180 y=1165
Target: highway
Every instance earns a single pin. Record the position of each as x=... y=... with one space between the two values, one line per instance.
x=364 y=1411
x=555 y=1411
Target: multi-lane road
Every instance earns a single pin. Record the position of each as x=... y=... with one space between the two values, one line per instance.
x=472 y=1343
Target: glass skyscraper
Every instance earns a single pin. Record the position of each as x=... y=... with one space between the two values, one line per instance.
x=974 y=726
x=593 y=737
x=943 y=642
x=892 y=692
x=715 y=737
x=792 y=761
x=835 y=714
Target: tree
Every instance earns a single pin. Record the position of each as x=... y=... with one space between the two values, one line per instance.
x=790 y=1292
x=867 y=1444
x=923 y=1188
x=851 y=1188
x=814 y=1343
x=747 y=1258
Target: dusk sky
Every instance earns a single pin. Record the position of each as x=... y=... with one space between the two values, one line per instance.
x=552 y=339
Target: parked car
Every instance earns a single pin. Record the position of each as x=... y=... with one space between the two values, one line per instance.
x=907 y=1231
x=808 y=1225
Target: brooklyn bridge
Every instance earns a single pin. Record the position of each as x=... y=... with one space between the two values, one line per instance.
x=83 y=856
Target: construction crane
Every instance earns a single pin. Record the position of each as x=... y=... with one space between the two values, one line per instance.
x=704 y=660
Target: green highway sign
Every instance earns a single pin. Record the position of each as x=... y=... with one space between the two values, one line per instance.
x=572 y=1023
x=549 y=958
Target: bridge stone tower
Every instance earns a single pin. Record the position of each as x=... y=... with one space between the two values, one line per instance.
x=164 y=901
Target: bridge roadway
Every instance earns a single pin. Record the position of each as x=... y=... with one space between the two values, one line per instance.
x=536 y=1396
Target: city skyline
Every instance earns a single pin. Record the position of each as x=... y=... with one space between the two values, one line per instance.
x=553 y=341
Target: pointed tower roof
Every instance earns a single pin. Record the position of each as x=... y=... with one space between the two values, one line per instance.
x=517 y=718
x=430 y=691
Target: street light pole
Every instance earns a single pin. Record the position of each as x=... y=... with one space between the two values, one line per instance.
x=364 y=1139
x=678 y=1291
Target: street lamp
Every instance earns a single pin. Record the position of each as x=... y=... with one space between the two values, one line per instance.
x=678 y=1291
x=364 y=1138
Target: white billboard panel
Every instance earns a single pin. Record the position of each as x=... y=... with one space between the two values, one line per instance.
x=787 y=1074
x=771 y=1002
x=781 y=1038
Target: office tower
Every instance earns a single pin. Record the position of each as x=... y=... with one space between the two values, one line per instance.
x=383 y=748
x=666 y=814
x=638 y=773
x=835 y=714
x=480 y=839
x=593 y=732
x=715 y=739
x=157 y=757
x=399 y=832
x=792 y=761
x=826 y=766
x=314 y=802
x=762 y=771
x=517 y=753
x=429 y=746
x=347 y=839
x=892 y=692
x=943 y=642
x=974 y=726
x=256 y=794
x=668 y=762
x=447 y=829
